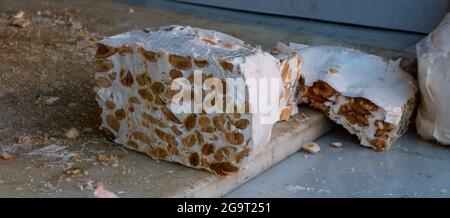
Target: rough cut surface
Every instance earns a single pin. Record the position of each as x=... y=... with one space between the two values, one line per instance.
x=290 y=74
x=370 y=97
x=134 y=73
x=433 y=54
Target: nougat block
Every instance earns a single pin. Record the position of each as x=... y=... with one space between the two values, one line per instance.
x=369 y=96
x=135 y=74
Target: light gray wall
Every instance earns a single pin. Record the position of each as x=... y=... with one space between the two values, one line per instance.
x=410 y=15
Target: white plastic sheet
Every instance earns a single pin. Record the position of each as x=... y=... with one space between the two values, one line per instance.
x=433 y=54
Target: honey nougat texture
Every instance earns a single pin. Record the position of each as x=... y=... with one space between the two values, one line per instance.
x=290 y=74
x=369 y=96
x=135 y=71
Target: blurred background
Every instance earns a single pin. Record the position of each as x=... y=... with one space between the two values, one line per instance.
x=407 y=15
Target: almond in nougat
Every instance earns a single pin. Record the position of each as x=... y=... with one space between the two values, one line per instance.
x=135 y=71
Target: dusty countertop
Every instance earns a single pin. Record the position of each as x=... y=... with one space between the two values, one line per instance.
x=412 y=168
x=46 y=85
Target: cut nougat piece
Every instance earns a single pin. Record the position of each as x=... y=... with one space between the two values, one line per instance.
x=290 y=74
x=135 y=71
x=369 y=96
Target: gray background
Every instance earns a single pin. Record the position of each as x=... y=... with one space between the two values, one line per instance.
x=409 y=15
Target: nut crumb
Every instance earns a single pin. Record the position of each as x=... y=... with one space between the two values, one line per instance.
x=49 y=100
x=6 y=156
x=72 y=133
x=18 y=15
x=24 y=140
x=336 y=144
x=22 y=22
x=311 y=147
x=87 y=129
x=333 y=70
x=102 y=192
x=71 y=171
x=102 y=158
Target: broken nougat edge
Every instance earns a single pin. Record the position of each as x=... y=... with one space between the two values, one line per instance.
x=134 y=100
x=290 y=65
x=358 y=115
x=370 y=122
